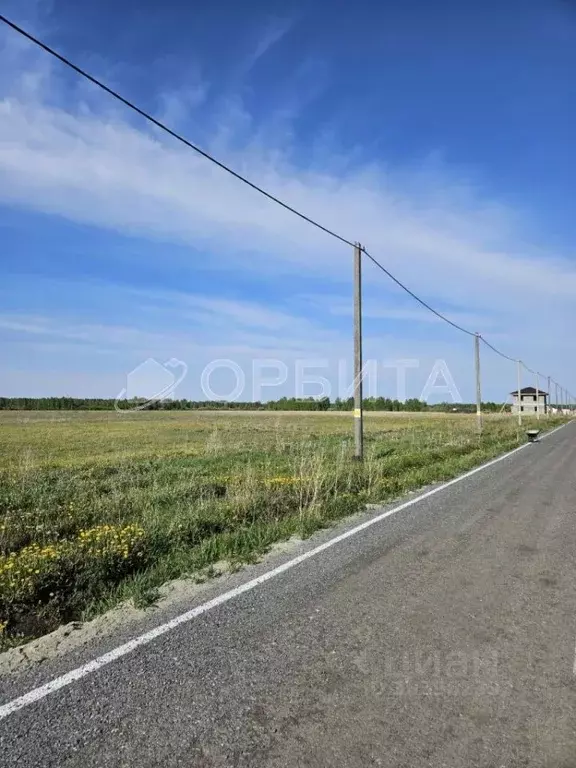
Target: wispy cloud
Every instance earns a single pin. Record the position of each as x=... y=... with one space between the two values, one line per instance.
x=103 y=171
x=175 y=106
x=275 y=30
x=373 y=309
x=170 y=322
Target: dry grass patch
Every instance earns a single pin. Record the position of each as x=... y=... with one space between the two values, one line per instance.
x=97 y=507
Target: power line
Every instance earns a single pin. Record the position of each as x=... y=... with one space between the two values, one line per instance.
x=212 y=159
x=443 y=317
x=417 y=298
x=446 y=319
x=169 y=131
x=493 y=348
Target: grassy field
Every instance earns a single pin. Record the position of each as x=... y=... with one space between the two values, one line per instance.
x=97 y=507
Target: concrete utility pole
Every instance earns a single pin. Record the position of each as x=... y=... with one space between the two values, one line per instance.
x=478 y=385
x=358 y=419
x=549 y=398
x=556 y=398
x=538 y=396
x=518 y=397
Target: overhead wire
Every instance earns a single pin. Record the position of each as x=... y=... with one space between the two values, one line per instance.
x=164 y=127
x=444 y=318
x=211 y=158
x=417 y=298
x=498 y=352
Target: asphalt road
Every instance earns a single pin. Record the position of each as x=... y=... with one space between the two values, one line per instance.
x=442 y=636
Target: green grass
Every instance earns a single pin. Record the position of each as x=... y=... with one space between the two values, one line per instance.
x=101 y=507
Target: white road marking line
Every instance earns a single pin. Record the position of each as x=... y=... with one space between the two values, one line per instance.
x=122 y=650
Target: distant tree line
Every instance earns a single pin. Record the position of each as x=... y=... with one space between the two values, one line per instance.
x=283 y=404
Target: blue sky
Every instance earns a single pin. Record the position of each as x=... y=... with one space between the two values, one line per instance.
x=440 y=135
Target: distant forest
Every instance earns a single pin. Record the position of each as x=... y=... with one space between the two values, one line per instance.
x=284 y=404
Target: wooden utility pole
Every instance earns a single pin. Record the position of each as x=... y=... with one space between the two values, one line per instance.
x=549 y=398
x=358 y=418
x=538 y=396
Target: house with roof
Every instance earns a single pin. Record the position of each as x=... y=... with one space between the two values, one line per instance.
x=530 y=402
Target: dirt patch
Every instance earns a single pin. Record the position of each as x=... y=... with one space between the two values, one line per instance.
x=77 y=634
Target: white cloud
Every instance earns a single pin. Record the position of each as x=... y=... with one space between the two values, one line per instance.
x=374 y=309
x=42 y=350
x=275 y=30
x=103 y=171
